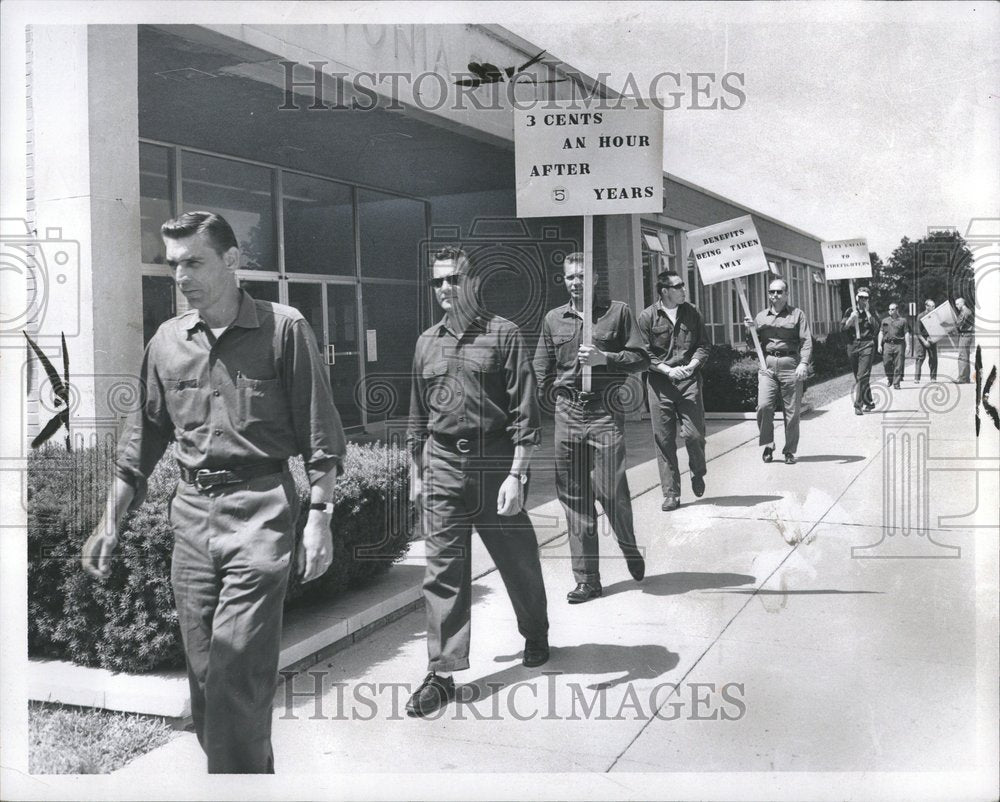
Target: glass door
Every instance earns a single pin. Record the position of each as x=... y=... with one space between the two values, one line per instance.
x=331 y=310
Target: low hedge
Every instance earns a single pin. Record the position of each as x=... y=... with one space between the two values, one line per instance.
x=128 y=622
x=730 y=375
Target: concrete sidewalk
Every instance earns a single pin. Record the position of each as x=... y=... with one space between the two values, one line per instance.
x=771 y=633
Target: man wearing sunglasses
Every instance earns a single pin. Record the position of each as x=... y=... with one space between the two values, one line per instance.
x=894 y=343
x=590 y=426
x=473 y=426
x=861 y=351
x=787 y=343
x=673 y=333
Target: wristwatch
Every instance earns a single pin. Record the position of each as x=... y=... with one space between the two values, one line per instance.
x=521 y=477
x=322 y=506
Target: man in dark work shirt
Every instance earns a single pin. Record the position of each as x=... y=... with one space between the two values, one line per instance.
x=240 y=385
x=861 y=350
x=894 y=342
x=590 y=426
x=473 y=426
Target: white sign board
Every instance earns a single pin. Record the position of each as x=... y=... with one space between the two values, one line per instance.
x=846 y=258
x=941 y=323
x=727 y=250
x=575 y=158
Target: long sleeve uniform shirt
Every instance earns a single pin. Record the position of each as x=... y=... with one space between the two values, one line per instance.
x=673 y=344
x=473 y=384
x=614 y=332
x=259 y=392
x=867 y=324
x=787 y=330
x=965 y=323
x=894 y=329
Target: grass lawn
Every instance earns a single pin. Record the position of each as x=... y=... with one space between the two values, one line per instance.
x=821 y=394
x=76 y=740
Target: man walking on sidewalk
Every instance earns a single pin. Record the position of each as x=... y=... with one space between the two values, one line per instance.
x=925 y=348
x=787 y=343
x=966 y=339
x=894 y=343
x=473 y=426
x=673 y=333
x=590 y=426
x=861 y=351
x=241 y=386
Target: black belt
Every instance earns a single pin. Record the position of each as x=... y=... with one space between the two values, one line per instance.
x=782 y=353
x=204 y=478
x=893 y=340
x=579 y=396
x=466 y=445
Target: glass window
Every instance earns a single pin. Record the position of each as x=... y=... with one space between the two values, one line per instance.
x=392 y=325
x=652 y=264
x=241 y=193
x=156 y=200
x=318 y=225
x=159 y=303
x=261 y=290
x=392 y=232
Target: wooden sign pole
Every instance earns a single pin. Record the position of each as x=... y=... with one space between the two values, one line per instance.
x=588 y=293
x=742 y=290
x=854 y=305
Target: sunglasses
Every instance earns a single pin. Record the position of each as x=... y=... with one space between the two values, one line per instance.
x=675 y=286
x=454 y=280
x=775 y=292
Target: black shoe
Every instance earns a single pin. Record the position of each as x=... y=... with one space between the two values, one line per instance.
x=536 y=652
x=869 y=407
x=698 y=485
x=584 y=591
x=636 y=566
x=670 y=503
x=889 y=383
x=857 y=411
x=896 y=387
x=768 y=454
x=789 y=459
x=433 y=694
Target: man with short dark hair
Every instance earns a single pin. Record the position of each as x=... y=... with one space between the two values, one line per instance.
x=240 y=386
x=590 y=426
x=787 y=343
x=965 y=326
x=926 y=348
x=473 y=426
x=861 y=350
x=673 y=333
x=894 y=342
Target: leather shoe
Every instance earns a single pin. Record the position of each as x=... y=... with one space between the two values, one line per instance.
x=768 y=454
x=584 y=591
x=636 y=566
x=433 y=694
x=857 y=411
x=536 y=652
x=698 y=485
x=789 y=459
x=896 y=387
x=670 y=503
x=869 y=407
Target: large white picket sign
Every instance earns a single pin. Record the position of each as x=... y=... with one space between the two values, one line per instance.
x=727 y=250
x=846 y=259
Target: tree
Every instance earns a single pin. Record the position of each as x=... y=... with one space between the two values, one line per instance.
x=938 y=266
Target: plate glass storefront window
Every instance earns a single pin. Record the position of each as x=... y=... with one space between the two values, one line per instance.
x=156 y=200
x=392 y=232
x=318 y=226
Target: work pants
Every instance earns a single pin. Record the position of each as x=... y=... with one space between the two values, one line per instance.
x=459 y=493
x=861 y=355
x=893 y=361
x=965 y=343
x=590 y=461
x=231 y=559
x=930 y=353
x=779 y=380
x=671 y=404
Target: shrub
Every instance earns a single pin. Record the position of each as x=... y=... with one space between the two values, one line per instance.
x=128 y=622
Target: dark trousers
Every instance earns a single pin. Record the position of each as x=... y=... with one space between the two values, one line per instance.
x=930 y=353
x=861 y=355
x=779 y=380
x=460 y=492
x=965 y=343
x=669 y=405
x=893 y=361
x=231 y=558
x=590 y=462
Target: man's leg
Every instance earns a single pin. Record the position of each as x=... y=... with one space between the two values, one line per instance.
x=607 y=439
x=932 y=361
x=899 y=364
x=253 y=534
x=964 y=353
x=767 y=397
x=887 y=362
x=865 y=357
x=918 y=361
x=854 y=356
x=663 y=415
x=791 y=399
x=691 y=410
x=573 y=466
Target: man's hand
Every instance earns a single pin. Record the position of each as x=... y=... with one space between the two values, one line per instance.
x=589 y=355
x=316 y=553
x=97 y=551
x=749 y=323
x=509 y=499
x=801 y=372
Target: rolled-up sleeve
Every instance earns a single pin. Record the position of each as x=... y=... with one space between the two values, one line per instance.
x=319 y=435
x=524 y=427
x=149 y=429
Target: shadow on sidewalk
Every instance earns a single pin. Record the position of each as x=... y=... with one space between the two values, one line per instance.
x=733 y=501
x=638 y=662
x=680 y=582
x=840 y=459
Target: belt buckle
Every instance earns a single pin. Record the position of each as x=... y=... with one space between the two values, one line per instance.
x=462 y=445
x=204 y=478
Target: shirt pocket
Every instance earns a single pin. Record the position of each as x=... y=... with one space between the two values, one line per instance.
x=566 y=348
x=186 y=403
x=442 y=391
x=259 y=401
